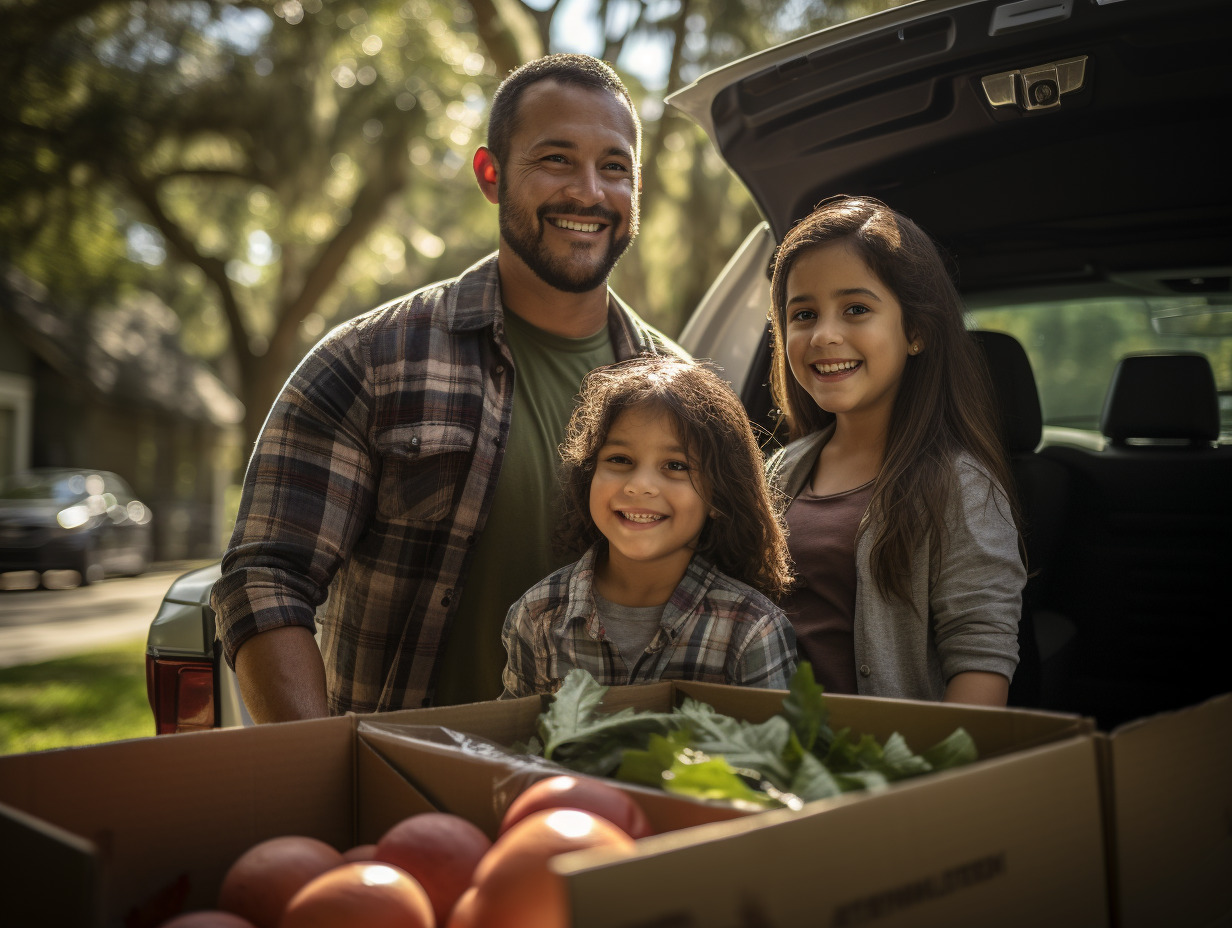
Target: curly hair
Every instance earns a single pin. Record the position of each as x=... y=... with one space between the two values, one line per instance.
x=744 y=537
x=943 y=404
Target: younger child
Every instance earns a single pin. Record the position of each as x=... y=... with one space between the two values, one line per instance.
x=663 y=490
x=901 y=524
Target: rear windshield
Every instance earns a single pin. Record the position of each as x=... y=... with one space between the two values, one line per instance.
x=1074 y=346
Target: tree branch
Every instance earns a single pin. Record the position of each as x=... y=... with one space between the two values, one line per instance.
x=145 y=192
x=387 y=177
x=508 y=30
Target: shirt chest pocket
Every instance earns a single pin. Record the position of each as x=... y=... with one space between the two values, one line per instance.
x=421 y=468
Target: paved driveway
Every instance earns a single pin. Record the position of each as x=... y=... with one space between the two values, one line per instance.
x=38 y=625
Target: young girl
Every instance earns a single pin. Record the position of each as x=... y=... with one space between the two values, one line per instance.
x=901 y=526
x=663 y=490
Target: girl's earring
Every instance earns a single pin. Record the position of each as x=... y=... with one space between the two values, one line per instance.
x=914 y=348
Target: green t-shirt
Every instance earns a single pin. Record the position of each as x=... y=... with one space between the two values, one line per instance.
x=514 y=551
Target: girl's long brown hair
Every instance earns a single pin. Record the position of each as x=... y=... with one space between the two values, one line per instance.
x=944 y=400
x=745 y=539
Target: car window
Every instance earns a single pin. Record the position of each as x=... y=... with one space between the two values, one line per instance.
x=60 y=487
x=57 y=488
x=1074 y=346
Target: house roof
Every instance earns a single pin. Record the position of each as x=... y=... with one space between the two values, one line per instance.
x=129 y=352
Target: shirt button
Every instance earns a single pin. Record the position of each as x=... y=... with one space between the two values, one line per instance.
x=499 y=369
x=499 y=441
x=864 y=670
x=415 y=442
x=445 y=600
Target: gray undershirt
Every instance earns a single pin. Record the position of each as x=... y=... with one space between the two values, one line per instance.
x=629 y=629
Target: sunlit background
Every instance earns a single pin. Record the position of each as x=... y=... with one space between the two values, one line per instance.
x=192 y=193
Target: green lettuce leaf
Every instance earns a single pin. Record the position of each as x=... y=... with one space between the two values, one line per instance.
x=758 y=747
x=805 y=708
x=791 y=758
x=575 y=732
x=713 y=778
x=956 y=749
x=647 y=766
x=813 y=781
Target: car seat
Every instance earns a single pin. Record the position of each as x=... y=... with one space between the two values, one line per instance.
x=1042 y=486
x=1148 y=545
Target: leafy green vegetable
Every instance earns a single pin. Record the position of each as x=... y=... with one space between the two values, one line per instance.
x=805 y=708
x=954 y=751
x=575 y=733
x=791 y=758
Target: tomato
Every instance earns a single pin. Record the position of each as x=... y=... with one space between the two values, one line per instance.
x=439 y=850
x=463 y=914
x=265 y=877
x=360 y=852
x=585 y=793
x=207 y=918
x=356 y=894
x=514 y=886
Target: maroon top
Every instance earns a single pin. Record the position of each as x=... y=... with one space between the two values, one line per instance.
x=822 y=607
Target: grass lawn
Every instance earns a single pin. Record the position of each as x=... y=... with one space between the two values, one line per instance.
x=86 y=699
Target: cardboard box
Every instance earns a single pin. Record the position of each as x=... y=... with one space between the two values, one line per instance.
x=138 y=828
x=132 y=832
x=1168 y=786
x=1015 y=839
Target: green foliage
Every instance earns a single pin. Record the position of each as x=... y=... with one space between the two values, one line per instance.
x=86 y=699
x=268 y=169
x=1074 y=345
x=791 y=758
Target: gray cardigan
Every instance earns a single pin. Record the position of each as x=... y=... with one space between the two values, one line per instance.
x=962 y=617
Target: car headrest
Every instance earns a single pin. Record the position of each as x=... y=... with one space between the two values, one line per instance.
x=1162 y=396
x=1014 y=390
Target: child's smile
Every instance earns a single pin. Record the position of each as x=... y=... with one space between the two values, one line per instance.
x=641 y=518
x=844 y=333
x=644 y=498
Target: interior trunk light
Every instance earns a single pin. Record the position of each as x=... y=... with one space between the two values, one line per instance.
x=1036 y=88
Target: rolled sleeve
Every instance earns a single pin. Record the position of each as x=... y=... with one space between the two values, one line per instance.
x=308 y=492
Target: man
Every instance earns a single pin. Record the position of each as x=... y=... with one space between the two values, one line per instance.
x=407 y=469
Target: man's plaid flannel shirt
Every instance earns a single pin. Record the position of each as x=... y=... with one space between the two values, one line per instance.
x=371 y=480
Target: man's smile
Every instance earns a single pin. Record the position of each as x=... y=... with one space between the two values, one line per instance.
x=573 y=226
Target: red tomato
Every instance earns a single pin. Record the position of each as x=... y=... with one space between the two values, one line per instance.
x=585 y=793
x=440 y=851
x=463 y=914
x=369 y=894
x=514 y=887
x=265 y=877
x=207 y=918
x=360 y=852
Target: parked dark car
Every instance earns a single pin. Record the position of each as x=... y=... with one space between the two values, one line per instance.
x=81 y=520
x=1069 y=157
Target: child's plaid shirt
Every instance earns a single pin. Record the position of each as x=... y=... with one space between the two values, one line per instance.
x=714 y=629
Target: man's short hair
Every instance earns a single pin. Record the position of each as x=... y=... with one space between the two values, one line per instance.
x=574 y=70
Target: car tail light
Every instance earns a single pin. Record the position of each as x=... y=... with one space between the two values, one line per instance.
x=181 y=693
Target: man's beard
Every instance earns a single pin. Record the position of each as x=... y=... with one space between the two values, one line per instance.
x=524 y=236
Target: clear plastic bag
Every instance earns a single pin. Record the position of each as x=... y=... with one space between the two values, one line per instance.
x=513 y=770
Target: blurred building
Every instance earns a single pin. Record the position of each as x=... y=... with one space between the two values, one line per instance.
x=112 y=390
